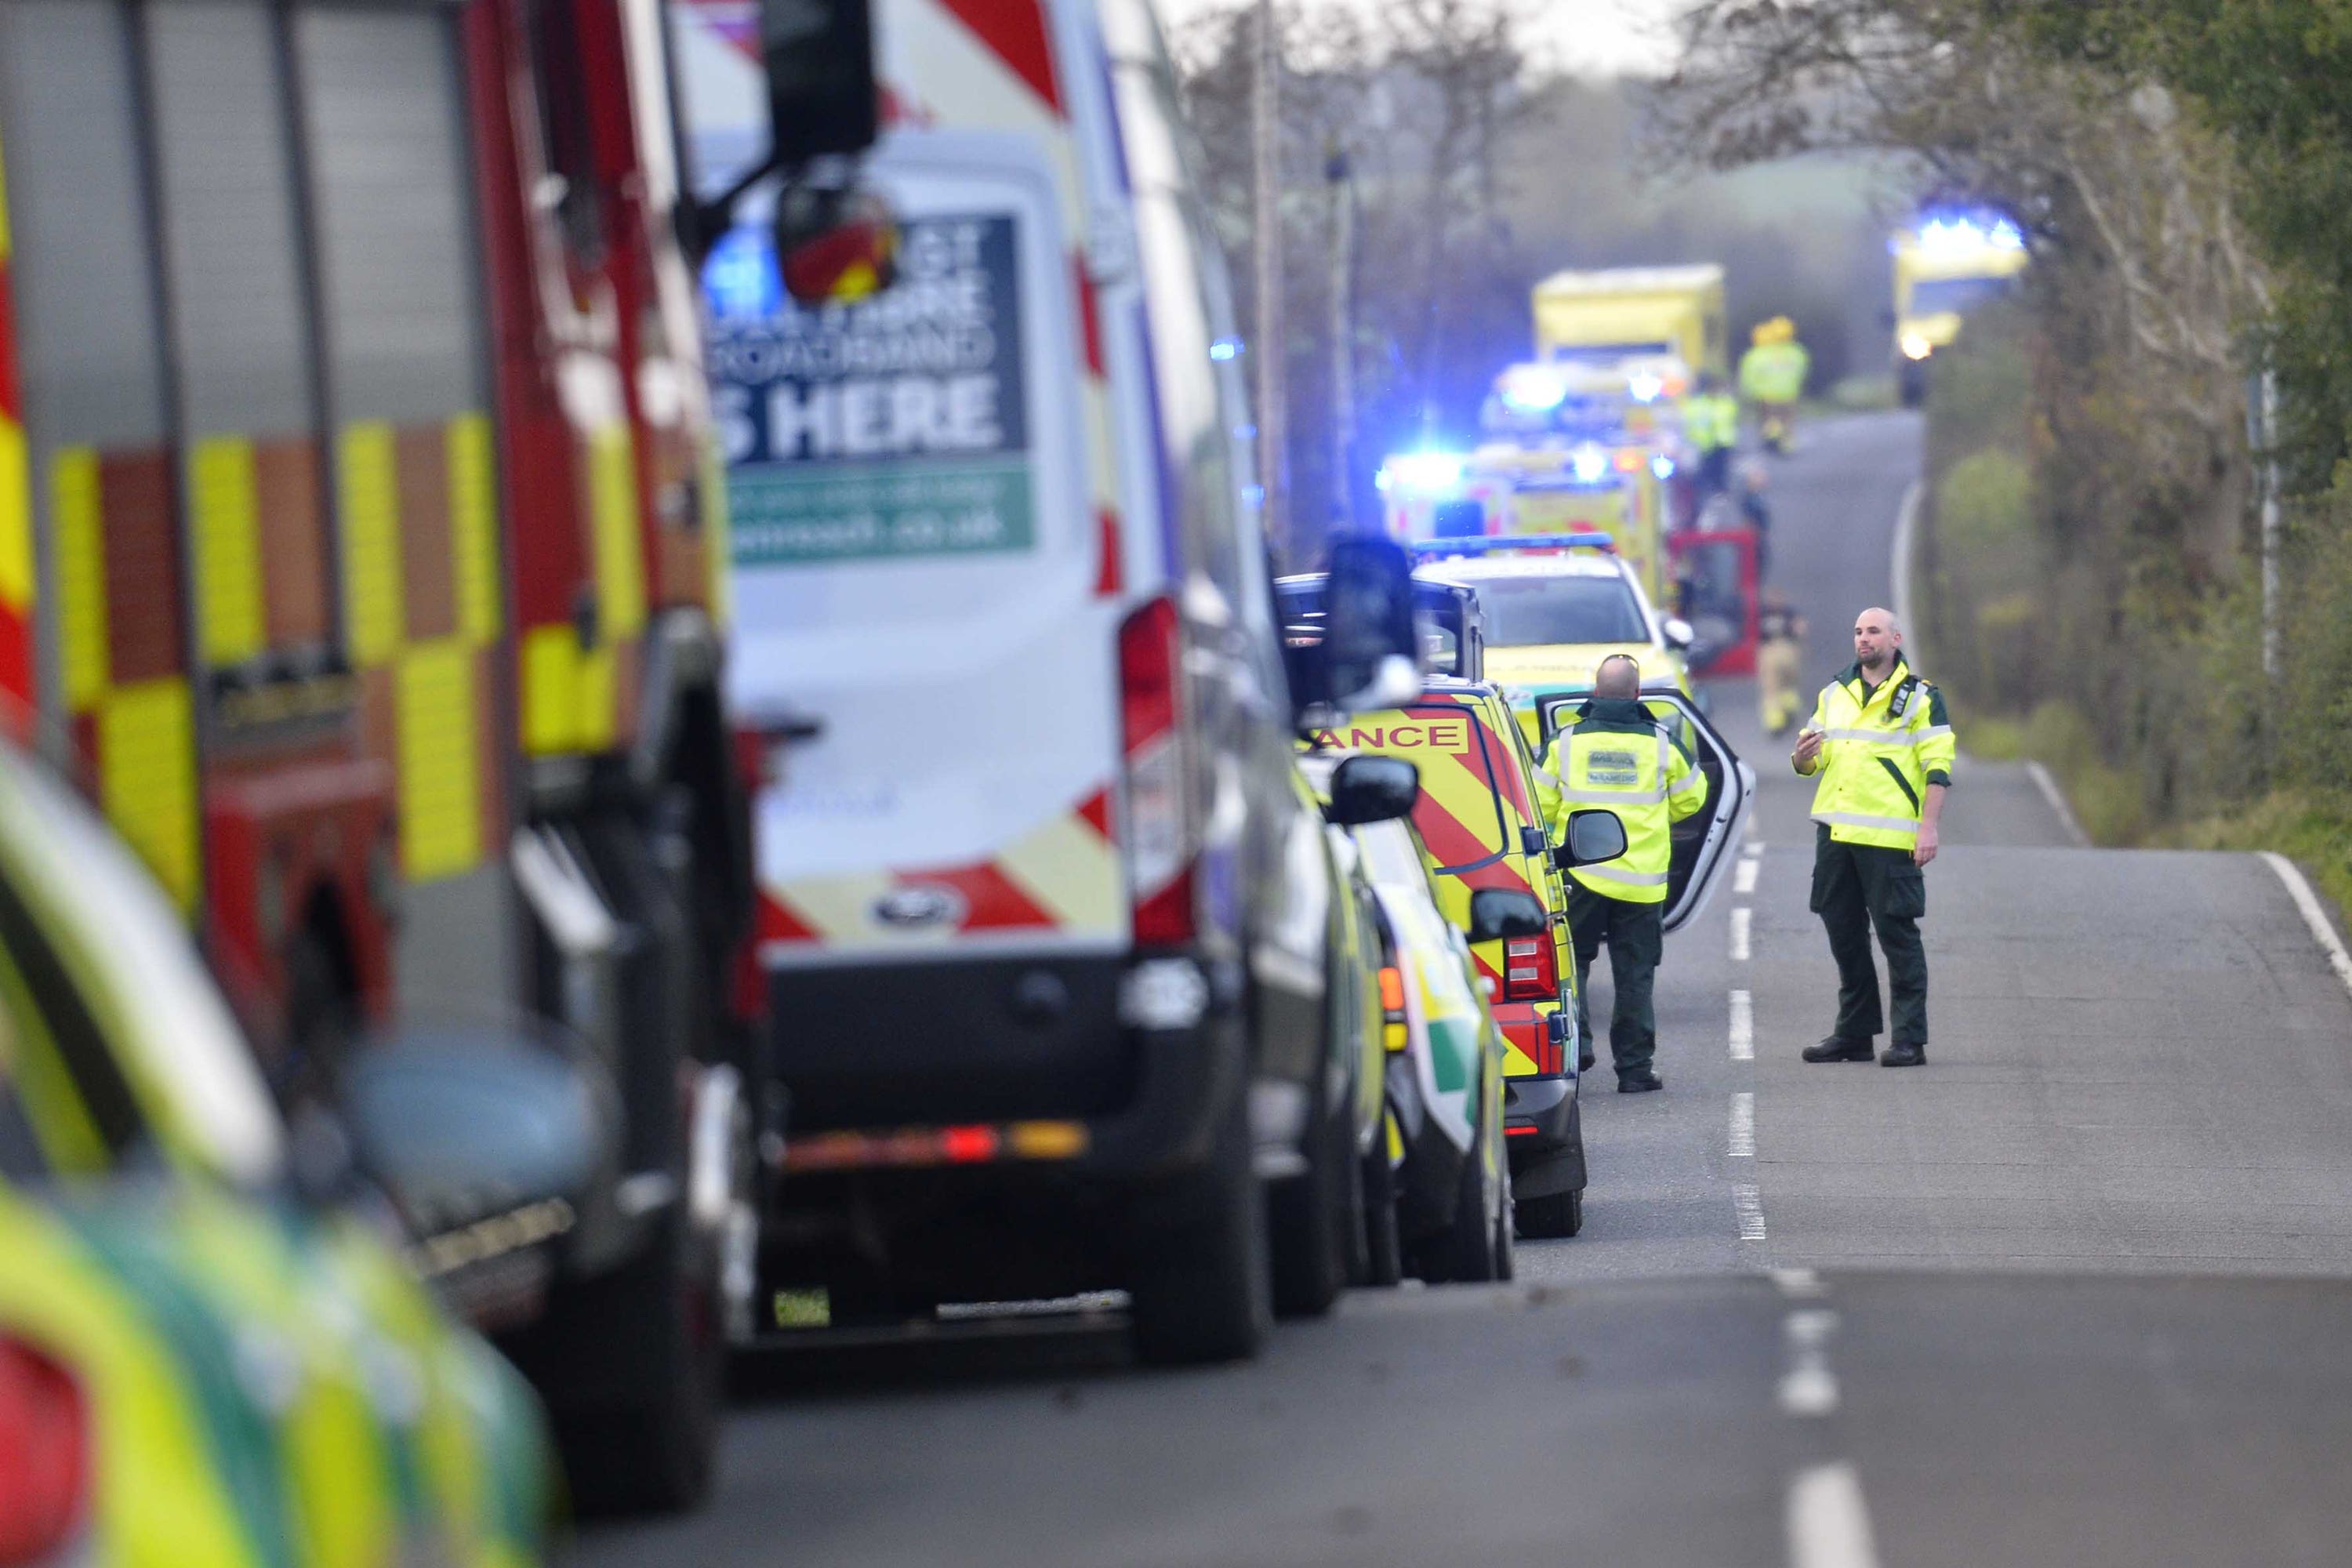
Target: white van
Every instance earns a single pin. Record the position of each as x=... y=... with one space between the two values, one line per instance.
x=1046 y=912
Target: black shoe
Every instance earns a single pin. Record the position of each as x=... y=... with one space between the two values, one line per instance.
x=1641 y=1081
x=1835 y=1049
x=1914 y=1056
x=1584 y=1061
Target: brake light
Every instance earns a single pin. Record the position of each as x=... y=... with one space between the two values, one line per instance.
x=1394 y=1034
x=1157 y=831
x=1530 y=970
x=44 y=1455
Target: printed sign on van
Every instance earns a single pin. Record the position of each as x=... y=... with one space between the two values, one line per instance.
x=893 y=426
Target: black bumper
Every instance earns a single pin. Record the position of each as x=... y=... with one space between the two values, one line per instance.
x=1543 y=1129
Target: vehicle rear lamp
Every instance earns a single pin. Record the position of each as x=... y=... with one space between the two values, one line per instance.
x=44 y=1455
x=1628 y=460
x=1392 y=993
x=1530 y=971
x=1156 y=828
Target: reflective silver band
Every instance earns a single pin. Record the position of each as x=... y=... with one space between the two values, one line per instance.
x=1859 y=819
x=1891 y=737
x=1605 y=872
x=1615 y=796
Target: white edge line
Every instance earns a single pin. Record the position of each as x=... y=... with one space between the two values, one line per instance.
x=1829 y=1523
x=2057 y=799
x=2313 y=916
x=1906 y=519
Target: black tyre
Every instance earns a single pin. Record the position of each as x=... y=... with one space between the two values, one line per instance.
x=652 y=1448
x=1312 y=1215
x=1464 y=1251
x=1197 y=1284
x=1507 y=1265
x=1561 y=1214
x=1383 y=1251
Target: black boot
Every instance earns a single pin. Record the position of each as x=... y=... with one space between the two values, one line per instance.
x=1836 y=1049
x=1900 y=1056
x=1641 y=1081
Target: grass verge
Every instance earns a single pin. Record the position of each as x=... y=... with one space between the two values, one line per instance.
x=2310 y=827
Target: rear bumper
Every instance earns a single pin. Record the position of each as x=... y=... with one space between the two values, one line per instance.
x=1543 y=1130
x=1105 y=1066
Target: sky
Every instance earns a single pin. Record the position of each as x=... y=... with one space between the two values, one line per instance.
x=1591 y=37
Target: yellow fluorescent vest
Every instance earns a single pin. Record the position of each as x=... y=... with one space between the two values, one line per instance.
x=1879 y=756
x=1643 y=776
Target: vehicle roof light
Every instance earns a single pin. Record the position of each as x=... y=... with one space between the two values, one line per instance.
x=1506 y=541
x=1428 y=472
x=1532 y=388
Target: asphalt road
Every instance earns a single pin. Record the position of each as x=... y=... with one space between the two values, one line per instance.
x=2080 y=1291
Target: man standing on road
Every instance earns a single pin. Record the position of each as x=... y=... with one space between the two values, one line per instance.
x=1620 y=756
x=1883 y=746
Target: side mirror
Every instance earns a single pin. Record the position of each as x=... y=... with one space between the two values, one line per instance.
x=1506 y=911
x=1679 y=633
x=1372 y=789
x=463 y=1123
x=1370 y=645
x=1593 y=835
x=822 y=100
x=834 y=245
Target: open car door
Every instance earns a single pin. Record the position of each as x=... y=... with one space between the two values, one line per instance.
x=1705 y=843
x=1716 y=581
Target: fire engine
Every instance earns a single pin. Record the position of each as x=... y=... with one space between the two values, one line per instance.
x=359 y=553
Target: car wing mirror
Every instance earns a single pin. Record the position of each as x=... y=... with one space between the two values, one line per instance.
x=1371 y=639
x=1497 y=912
x=1679 y=634
x=1372 y=789
x=1594 y=835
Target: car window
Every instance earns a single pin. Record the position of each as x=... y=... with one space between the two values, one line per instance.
x=1533 y=612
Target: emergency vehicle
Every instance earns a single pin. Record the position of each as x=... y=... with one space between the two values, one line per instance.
x=358 y=550
x=1052 y=927
x=1613 y=314
x=1946 y=264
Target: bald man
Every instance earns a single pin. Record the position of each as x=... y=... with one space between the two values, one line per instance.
x=1882 y=745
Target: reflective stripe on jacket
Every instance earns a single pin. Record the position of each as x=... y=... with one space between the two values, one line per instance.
x=1879 y=754
x=1620 y=757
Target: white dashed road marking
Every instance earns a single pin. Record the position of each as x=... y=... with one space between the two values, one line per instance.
x=1743 y=1126
x=1829 y=1523
x=1798 y=1282
x=1743 y=1027
x=1739 y=934
x=1808 y=1388
x=1748 y=1202
x=1743 y=876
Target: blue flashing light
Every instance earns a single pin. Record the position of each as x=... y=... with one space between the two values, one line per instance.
x=1533 y=389
x=1493 y=542
x=1662 y=466
x=1428 y=472
x=2006 y=235
x=1590 y=465
x=740 y=280
x=1225 y=349
x=1645 y=386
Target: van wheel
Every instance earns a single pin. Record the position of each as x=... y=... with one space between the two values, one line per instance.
x=652 y=1451
x=1313 y=1215
x=1465 y=1252
x=1383 y=1251
x=1198 y=1287
x=1561 y=1214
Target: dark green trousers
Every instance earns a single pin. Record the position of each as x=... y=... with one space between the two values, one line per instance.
x=1857 y=887
x=1636 y=939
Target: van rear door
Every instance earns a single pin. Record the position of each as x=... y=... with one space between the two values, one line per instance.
x=921 y=585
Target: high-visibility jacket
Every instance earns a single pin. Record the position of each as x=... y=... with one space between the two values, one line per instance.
x=1711 y=419
x=1774 y=373
x=1620 y=756
x=1881 y=750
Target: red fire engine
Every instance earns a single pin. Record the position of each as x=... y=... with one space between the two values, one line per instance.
x=357 y=552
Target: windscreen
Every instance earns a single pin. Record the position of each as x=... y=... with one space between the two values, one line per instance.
x=1536 y=612
x=1934 y=295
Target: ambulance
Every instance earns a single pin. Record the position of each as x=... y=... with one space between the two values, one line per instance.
x=1050 y=925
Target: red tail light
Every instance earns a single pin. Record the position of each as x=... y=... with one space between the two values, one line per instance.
x=1156 y=832
x=1530 y=970
x=44 y=1455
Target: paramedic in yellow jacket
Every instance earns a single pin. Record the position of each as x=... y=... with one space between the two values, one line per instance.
x=1620 y=756
x=1882 y=745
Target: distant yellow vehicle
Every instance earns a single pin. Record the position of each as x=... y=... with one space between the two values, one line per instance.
x=1625 y=312
x=1946 y=264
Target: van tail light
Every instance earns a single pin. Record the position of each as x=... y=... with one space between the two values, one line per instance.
x=1530 y=969
x=1157 y=831
x=44 y=1455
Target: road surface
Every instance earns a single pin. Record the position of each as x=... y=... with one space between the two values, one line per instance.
x=2080 y=1291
